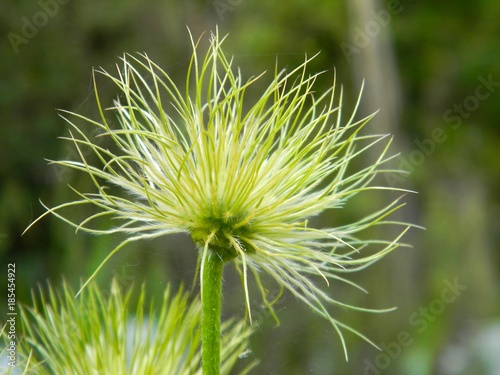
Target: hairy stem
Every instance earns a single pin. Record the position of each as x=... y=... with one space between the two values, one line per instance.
x=211 y=300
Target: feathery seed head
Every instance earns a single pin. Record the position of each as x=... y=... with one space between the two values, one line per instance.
x=101 y=334
x=241 y=179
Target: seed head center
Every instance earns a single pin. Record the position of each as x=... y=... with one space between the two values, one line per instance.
x=225 y=234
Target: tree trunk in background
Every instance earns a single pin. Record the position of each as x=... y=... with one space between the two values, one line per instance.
x=374 y=61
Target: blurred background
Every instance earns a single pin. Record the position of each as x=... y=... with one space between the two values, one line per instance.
x=432 y=68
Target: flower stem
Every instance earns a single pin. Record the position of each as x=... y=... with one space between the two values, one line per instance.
x=211 y=300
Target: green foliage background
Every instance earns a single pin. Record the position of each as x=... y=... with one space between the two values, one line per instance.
x=442 y=53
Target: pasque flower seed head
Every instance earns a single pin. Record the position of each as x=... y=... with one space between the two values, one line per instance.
x=241 y=177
